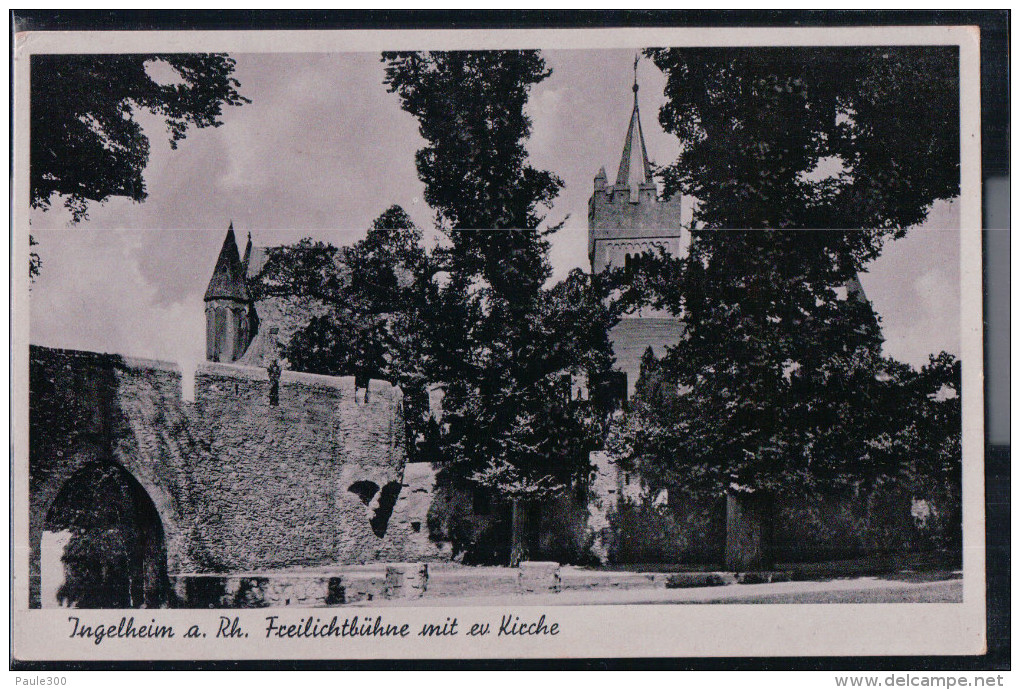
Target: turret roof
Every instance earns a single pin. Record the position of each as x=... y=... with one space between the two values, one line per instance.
x=228 y=280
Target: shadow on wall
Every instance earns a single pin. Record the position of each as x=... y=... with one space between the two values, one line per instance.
x=379 y=503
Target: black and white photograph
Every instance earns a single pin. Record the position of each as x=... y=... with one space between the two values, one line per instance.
x=367 y=333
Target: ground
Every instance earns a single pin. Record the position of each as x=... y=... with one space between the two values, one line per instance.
x=913 y=587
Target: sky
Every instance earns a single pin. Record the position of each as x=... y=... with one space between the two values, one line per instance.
x=323 y=149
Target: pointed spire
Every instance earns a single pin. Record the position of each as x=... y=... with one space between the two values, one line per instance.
x=227 y=281
x=634 y=168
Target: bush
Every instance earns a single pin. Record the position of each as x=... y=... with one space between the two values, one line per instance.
x=685 y=531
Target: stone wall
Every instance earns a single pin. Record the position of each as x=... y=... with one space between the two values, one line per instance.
x=872 y=523
x=311 y=589
x=239 y=484
x=288 y=315
x=629 y=523
x=407 y=537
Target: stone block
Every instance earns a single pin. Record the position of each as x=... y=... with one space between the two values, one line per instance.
x=405 y=580
x=538 y=577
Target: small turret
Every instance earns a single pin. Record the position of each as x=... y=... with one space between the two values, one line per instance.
x=229 y=309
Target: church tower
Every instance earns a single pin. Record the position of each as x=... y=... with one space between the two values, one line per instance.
x=230 y=319
x=628 y=219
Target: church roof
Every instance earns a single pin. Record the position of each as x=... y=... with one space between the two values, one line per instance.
x=254 y=260
x=228 y=279
x=634 y=168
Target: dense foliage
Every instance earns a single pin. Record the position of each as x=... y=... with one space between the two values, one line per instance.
x=473 y=315
x=506 y=422
x=87 y=145
x=847 y=137
x=779 y=385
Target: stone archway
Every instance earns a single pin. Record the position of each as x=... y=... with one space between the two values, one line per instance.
x=103 y=543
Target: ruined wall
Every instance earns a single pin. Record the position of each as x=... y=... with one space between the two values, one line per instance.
x=407 y=538
x=288 y=315
x=274 y=482
x=76 y=420
x=239 y=484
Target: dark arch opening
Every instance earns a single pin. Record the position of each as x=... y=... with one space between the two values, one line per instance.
x=365 y=490
x=115 y=553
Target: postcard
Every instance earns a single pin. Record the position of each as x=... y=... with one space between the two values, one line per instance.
x=566 y=343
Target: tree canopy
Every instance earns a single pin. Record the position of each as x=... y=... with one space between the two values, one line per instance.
x=779 y=384
x=470 y=111
x=517 y=339
x=365 y=293
x=87 y=146
x=508 y=342
x=833 y=138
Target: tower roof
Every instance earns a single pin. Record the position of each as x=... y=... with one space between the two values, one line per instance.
x=228 y=281
x=634 y=168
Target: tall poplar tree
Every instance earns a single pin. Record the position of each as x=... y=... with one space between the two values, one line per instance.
x=506 y=428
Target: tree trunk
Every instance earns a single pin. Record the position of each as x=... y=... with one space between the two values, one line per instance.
x=518 y=516
x=748 y=532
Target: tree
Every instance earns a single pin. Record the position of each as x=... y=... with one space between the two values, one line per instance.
x=774 y=358
x=86 y=144
x=919 y=419
x=813 y=137
x=506 y=341
x=470 y=110
x=370 y=299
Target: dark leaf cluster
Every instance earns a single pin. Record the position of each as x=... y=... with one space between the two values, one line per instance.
x=86 y=143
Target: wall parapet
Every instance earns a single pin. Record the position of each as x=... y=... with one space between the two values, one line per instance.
x=341 y=383
x=38 y=353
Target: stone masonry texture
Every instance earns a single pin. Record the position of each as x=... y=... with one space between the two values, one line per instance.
x=240 y=485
